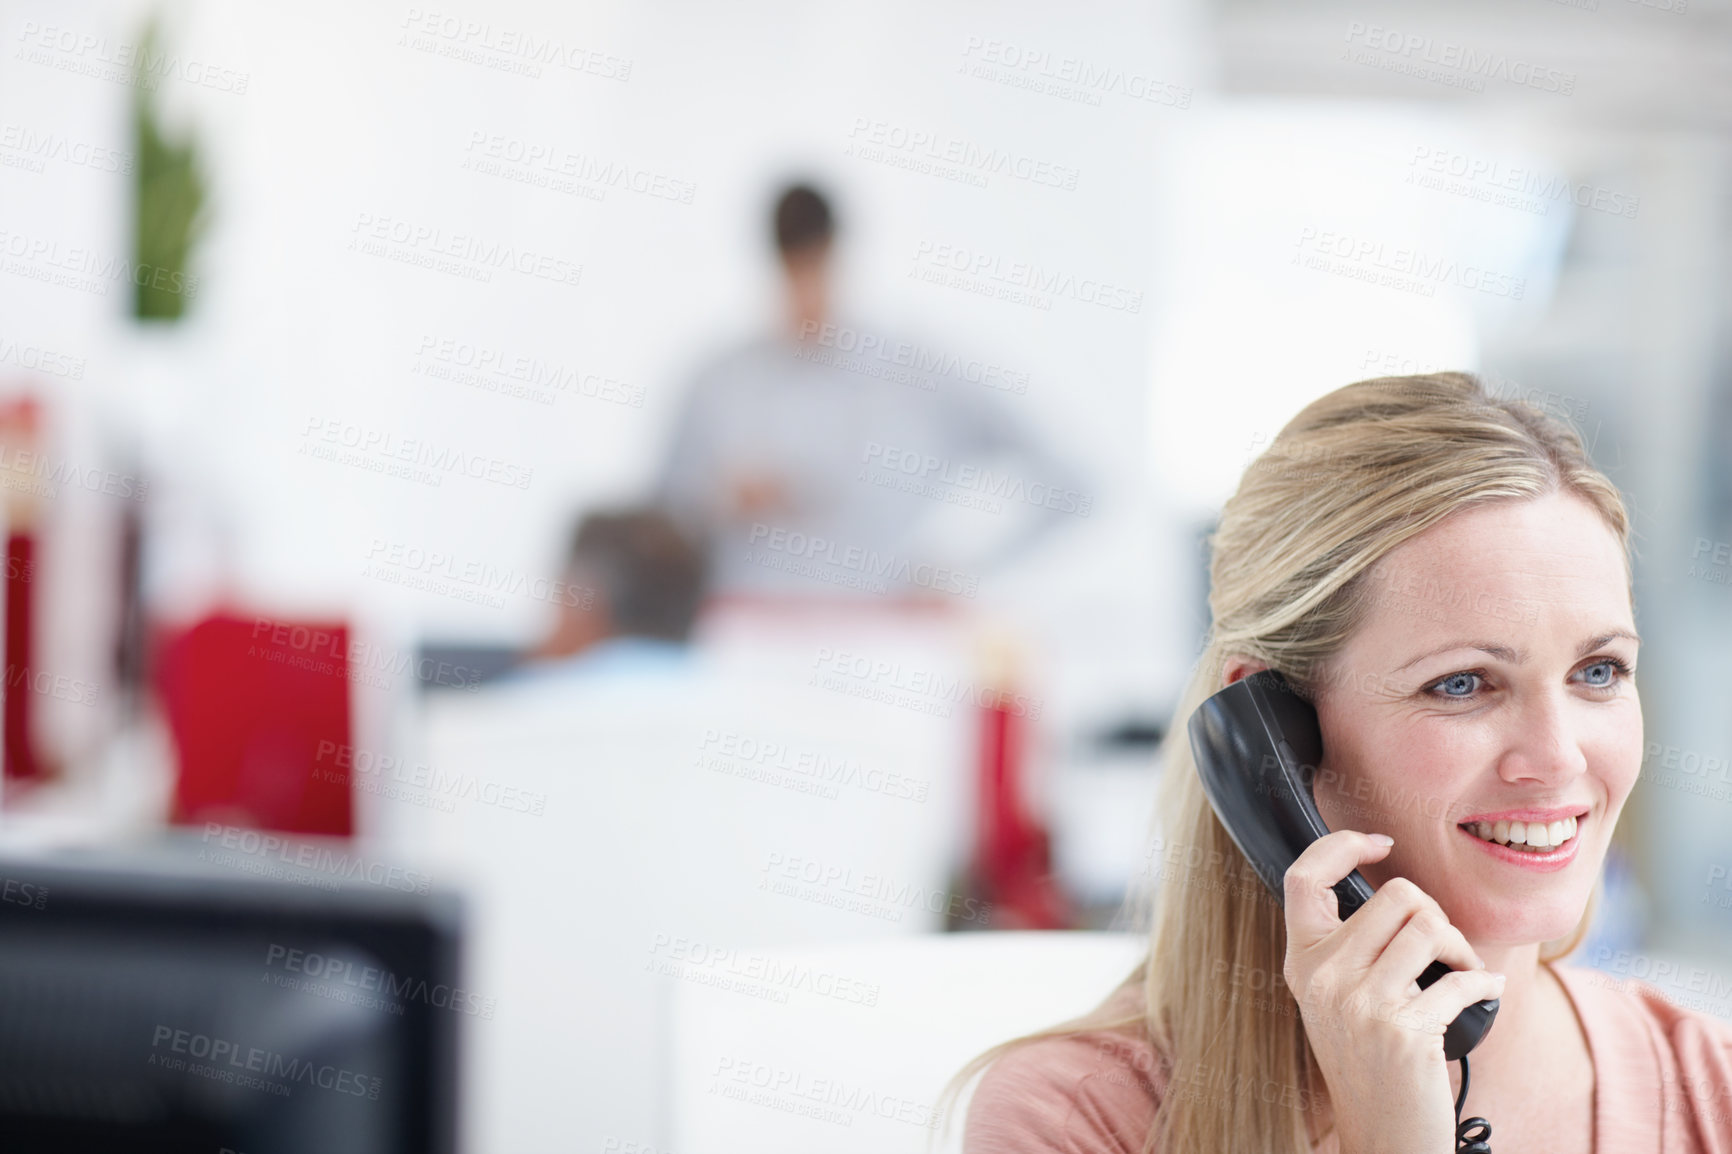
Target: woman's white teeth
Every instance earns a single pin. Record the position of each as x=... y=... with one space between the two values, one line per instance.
x=1534 y=835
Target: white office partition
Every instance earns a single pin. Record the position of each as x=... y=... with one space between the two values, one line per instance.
x=854 y=1061
x=621 y=836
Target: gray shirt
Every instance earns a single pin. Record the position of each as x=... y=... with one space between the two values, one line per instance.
x=890 y=470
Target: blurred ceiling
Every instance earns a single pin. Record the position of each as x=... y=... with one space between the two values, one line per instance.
x=1613 y=63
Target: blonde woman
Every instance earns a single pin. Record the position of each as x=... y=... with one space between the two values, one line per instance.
x=1446 y=577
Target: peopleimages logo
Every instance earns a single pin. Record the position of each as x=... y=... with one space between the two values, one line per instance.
x=887 y=142
x=325 y=651
x=1066 y=77
x=441 y=567
x=41 y=359
x=56 y=685
x=87 y=54
x=537 y=162
x=971 y=476
x=1472 y=63
x=329 y=439
x=267 y=849
x=518 y=374
x=1517 y=181
x=727 y=968
x=45 y=260
x=343 y=980
x=797 y=1092
x=34 y=149
x=1363 y=258
x=226 y=1060
x=863 y=676
x=861 y=347
x=20 y=893
x=783 y=873
x=484 y=42
x=342 y=762
x=990 y=269
x=463 y=253
x=746 y=755
x=866 y=562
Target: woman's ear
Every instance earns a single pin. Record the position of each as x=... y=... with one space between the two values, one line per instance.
x=1237 y=666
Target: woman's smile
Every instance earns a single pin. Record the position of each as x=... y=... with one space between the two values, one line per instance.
x=1549 y=846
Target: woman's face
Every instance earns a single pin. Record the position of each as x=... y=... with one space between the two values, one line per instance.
x=1490 y=680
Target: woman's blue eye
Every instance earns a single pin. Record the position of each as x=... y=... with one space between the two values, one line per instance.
x=1607 y=668
x=1459 y=684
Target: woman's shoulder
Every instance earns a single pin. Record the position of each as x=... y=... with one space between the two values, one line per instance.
x=1662 y=1054
x=1679 y=1012
x=1088 y=1093
x=1677 y=1000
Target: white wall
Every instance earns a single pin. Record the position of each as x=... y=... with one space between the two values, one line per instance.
x=341 y=119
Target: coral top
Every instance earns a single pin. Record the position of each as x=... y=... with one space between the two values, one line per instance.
x=1662 y=1081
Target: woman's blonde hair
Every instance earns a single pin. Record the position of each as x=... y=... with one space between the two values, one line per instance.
x=1353 y=476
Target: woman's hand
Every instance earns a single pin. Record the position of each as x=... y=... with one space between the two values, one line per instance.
x=1377 y=1036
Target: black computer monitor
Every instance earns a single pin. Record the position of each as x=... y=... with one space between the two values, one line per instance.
x=152 y=1003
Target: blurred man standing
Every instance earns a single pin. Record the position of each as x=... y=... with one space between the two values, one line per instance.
x=807 y=465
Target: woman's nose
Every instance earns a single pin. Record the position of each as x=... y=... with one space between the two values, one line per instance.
x=1544 y=743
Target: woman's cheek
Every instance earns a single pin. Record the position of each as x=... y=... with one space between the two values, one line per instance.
x=1616 y=758
x=1341 y=789
x=1335 y=789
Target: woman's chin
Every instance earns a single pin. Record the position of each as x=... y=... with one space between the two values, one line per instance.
x=1511 y=918
x=1519 y=924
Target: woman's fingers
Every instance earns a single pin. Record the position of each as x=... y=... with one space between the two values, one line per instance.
x=1424 y=938
x=1405 y=927
x=1440 y=1004
x=1313 y=912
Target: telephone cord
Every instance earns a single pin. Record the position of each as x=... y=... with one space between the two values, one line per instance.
x=1474 y=1135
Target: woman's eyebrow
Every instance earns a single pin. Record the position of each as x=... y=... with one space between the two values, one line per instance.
x=1594 y=643
x=1501 y=652
x=1517 y=656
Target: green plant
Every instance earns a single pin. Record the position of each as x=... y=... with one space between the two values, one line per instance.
x=168 y=212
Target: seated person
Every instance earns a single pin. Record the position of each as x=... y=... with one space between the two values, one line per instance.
x=633 y=584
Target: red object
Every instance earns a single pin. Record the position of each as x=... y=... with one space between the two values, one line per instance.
x=1014 y=860
x=259 y=710
x=21 y=761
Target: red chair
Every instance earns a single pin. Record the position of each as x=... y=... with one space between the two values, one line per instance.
x=249 y=701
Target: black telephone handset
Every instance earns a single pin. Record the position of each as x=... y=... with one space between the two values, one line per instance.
x=1257 y=745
